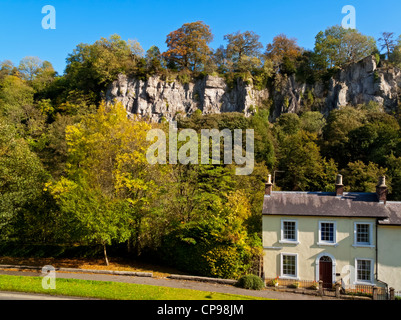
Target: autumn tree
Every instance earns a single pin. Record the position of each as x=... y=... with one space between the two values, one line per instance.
x=283 y=49
x=188 y=46
x=108 y=186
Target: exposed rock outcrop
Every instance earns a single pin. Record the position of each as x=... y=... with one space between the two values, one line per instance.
x=363 y=82
x=156 y=98
x=354 y=84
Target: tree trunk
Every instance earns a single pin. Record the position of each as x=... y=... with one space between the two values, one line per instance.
x=129 y=245
x=105 y=254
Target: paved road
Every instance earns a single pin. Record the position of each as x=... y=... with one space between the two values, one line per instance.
x=203 y=286
x=4 y=295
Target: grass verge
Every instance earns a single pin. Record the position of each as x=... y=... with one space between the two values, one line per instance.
x=111 y=290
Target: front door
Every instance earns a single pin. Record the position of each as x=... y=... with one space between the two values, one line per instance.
x=326 y=271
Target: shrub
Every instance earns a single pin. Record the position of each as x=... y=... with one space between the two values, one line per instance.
x=250 y=281
x=294 y=285
x=273 y=282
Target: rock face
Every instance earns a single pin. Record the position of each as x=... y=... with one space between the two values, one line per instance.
x=155 y=98
x=354 y=84
x=363 y=82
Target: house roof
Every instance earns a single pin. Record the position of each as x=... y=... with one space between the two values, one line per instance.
x=394 y=214
x=350 y=204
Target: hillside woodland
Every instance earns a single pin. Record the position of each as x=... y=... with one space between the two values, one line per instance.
x=74 y=179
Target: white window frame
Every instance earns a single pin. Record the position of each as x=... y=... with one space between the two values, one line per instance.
x=364 y=244
x=282 y=240
x=327 y=243
x=288 y=276
x=372 y=266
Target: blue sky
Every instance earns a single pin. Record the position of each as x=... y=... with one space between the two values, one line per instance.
x=86 y=21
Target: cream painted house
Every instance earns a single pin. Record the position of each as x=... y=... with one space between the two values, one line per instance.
x=350 y=237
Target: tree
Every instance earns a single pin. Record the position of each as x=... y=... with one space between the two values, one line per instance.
x=242 y=48
x=289 y=123
x=305 y=169
x=361 y=177
x=7 y=68
x=108 y=186
x=283 y=48
x=222 y=62
x=38 y=73
x=393 y=164
x=337 y=46
x=91 y=67
x=153 y=59
x=395 y=57
x=22 y=178
x=15 y=93
x=336 y=133
x=375 y=139
x=387 y=42
x=188 y=46
x=312 y=121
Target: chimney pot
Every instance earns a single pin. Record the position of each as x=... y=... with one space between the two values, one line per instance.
x=339 y=185
x=269 y=185
x=381 y=189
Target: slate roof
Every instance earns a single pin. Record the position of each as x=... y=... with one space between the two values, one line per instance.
x=394 y=218
x=350 y=204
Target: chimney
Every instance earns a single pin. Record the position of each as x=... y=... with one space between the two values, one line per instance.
x=269 y=185
x=339 y=185
x=381 y=189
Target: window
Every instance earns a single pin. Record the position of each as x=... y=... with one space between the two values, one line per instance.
x=327 y=233
x=289 y=231
x=289 y=267
x=363 y=234
x=364 y=270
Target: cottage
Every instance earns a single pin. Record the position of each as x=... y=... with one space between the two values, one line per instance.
x=342 y=236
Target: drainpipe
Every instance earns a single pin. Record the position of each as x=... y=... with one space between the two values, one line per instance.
x=377 y=255
x=377 y=251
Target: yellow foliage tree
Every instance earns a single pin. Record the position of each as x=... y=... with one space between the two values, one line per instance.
x=109 y=183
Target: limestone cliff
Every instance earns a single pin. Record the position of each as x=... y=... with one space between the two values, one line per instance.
x=354 y=84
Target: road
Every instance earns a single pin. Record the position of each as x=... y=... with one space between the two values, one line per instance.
x=4 y=295
x=185 y=284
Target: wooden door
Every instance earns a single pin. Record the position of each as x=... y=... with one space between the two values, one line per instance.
x=326 y=271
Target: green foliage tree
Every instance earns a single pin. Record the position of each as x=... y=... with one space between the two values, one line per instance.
x=15 y=94
x=312 y=121
x=243 y=50
x=361 y=177
x=335 y=134
x=91 y=67
x=22 y=178
x=153 y=59
x=304 y=167
x=337 y=46
x=395 y=56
